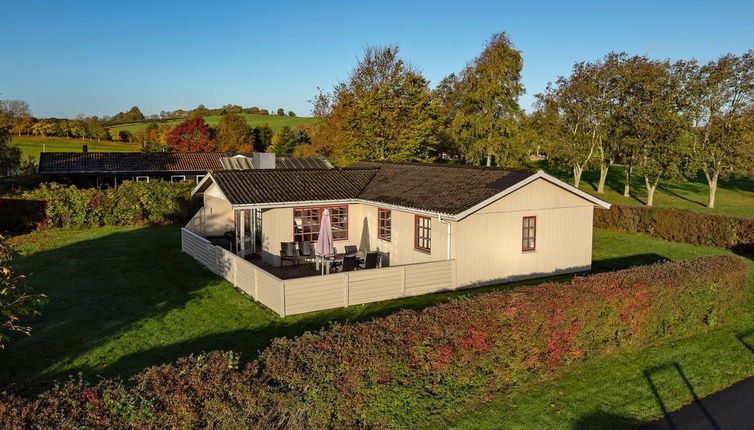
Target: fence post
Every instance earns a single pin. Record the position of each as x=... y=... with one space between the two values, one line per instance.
x=256 y=284
x=282 y=299
x=403 y=281
x=345 y=299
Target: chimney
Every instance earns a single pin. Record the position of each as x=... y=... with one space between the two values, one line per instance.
x=84 y=148
x=264 y=160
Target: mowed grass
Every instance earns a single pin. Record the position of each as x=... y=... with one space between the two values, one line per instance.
x=33 y=145
x=275 y=122
x=122 y=299
x=735 y=196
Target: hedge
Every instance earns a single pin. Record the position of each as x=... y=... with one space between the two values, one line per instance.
x=21 y=215
x=132 y=203
x=680 y=226
x=411 y=367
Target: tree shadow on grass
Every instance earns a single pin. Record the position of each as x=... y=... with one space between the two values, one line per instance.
x=130 y=299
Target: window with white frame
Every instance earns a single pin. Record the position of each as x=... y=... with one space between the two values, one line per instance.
x=142 y=179
x=177 y=178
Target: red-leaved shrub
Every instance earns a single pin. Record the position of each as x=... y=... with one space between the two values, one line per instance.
x=401 y=370
x=680 y=226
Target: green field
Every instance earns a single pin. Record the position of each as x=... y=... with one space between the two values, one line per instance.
x=735 y=197
x=33 y=145
x=113 y=311
x=276 y=122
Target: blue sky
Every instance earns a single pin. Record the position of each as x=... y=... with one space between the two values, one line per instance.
x=97 y=58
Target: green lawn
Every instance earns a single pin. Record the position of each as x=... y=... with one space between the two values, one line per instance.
x=734 y=197
x=33 y=145
x=125 y=298
x=276 y=122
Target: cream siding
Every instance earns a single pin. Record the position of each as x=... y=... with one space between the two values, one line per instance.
x=218 y=213
x=488 y=243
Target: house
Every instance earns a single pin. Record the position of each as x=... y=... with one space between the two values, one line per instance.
x=447 y=226
x=108 y=169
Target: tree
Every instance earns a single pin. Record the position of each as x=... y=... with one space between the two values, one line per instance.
x=488 y=113
x=262 y=135
x=720 y=94
x=17 y=301
x=199 y=112
x=385 y=110
x=114 y=134
x=233 y=134
x=280 y=112
x=291 y=113
x=656 y=126
x=133 y=114
x=192 y=135
x=10 y=156
x=288 y=140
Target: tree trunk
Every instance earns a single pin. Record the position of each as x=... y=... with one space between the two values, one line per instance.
x=712 y=181
x=651 y=189
x=577 y=171
x=489 y=160
x=604 y=166
x=627 y=186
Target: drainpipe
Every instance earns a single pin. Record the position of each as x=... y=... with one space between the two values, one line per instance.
x=447 y=223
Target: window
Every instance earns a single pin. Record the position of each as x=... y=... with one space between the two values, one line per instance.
x=177 y=178
x=199 y=178
x=423 y=233
x=383 y=224
x=142 y=179
x=306 y=222
x=529 y=242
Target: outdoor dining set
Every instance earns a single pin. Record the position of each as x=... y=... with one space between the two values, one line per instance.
x=349 y=260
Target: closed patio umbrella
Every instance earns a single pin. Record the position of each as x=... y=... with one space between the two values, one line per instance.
x=324 y=247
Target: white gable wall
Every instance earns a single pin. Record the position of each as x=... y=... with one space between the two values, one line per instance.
x=488 y=243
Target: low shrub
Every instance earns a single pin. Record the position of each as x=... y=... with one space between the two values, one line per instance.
x=408 y=368
x=132 y=203
x=21 y=215
x=680 y=226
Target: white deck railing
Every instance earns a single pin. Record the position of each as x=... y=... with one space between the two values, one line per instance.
x=315 y=293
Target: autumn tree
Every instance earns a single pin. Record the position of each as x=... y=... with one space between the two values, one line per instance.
x=10 y=155
x=233 y=134
x=192 y=135
x=385 y=110
x=17 y=301
x=288 y=140
x=488 y=113
x=721 y=93
x=199 y=112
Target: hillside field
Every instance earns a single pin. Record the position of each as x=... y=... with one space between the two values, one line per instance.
x=33 y=145
x=276 y=122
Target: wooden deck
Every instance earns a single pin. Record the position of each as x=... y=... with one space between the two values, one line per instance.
x=288 y=271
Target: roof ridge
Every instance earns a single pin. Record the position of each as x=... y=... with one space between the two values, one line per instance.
x=444 y=165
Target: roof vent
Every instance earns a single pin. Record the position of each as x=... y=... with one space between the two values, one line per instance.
x=264 y=160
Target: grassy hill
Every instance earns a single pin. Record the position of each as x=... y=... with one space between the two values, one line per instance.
x=33 y=145
x=276 y=122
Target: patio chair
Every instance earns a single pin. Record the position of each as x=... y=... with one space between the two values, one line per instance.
x=305 y=251
x=288 y=252
x=351 y=249
x=370 y=260
x=349 y=263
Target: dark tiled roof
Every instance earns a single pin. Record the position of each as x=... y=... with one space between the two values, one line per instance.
x=429 y=187
x=299 y=185
x=128 y=162
x=247 y=162
x=436 y=187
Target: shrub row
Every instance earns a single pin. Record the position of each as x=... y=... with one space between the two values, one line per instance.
x=404 y=369
x=132 y=203
x=21 y=215
x=680 y=226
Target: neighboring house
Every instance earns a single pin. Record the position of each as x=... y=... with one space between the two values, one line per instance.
x=447 y=226
x=109 y=169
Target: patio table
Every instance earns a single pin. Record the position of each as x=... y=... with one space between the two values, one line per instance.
x=323 y=263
